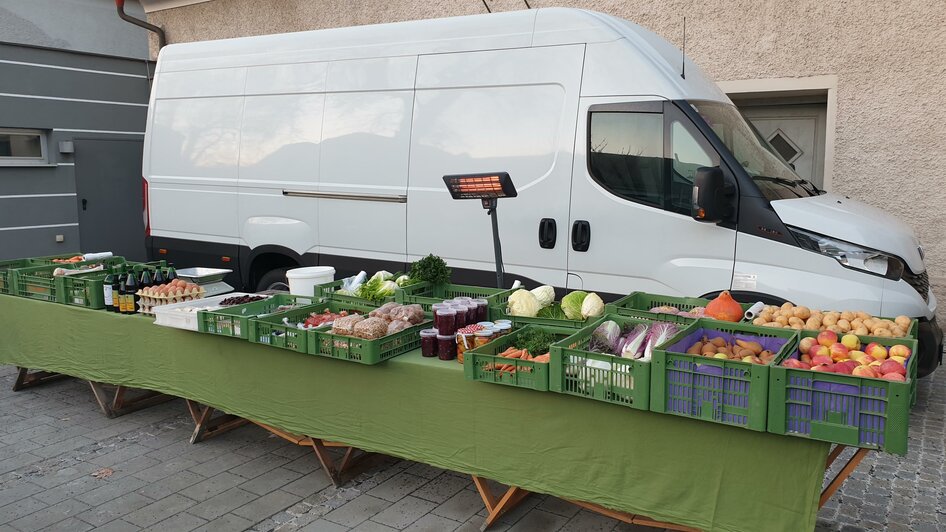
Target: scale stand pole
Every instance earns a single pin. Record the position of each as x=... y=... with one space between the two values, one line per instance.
x=490 y=205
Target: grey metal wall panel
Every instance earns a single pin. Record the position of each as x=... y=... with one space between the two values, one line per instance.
x=26 y=54
x=39 y=81
x=19 y=212
x=48 y=114
x=38 y=242
x=20 y=180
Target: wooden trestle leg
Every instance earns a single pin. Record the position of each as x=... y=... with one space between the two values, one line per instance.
x=496 y=507
x=842 y=475
x=118 y=405
x=25 y=379
x=320 y=447
x=206 y=425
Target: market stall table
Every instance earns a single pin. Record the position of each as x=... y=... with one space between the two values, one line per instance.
x=701 y=475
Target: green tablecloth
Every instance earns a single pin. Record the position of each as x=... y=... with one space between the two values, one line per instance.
x=670 y=468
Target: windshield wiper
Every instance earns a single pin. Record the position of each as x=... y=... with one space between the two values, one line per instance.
x=790 y=184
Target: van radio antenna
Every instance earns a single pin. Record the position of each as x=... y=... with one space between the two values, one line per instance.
x=683 y=60
x=527 y=4
x=488 y=10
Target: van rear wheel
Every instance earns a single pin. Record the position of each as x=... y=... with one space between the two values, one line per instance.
x=273 y=280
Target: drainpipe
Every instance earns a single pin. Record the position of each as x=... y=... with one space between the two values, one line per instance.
x=120 y=4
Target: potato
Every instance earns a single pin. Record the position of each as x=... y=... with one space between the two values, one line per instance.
x=847 y=315
x=856 y=323
x=813 y=323
x=897 y=332
x=869 y=323
x=797 y=326
x=903 y=322
x=781 y=320
x=829 y=320
x=802 y=312
x=759 y=321
x=889 y=324
x=861 y=331
x=787 y=306
x=861 y=315
x=793 y=321
x=836 y=315
x=883 y=333
x=772 y=324
x=844 y=325
x=767 y=315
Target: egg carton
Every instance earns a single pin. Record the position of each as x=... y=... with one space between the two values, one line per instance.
x=146 y=303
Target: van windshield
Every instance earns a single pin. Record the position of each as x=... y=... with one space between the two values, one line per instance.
x=775 y=179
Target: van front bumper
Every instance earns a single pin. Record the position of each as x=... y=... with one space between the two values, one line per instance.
x=930 y=338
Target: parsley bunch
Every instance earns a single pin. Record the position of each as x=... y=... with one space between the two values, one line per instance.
x=432 y=269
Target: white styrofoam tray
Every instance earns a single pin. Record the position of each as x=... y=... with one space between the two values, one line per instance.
x=172 y=316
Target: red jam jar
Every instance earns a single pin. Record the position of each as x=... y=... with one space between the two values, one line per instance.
x=446 y=347
x=445 y=319
x=481 y=309
x=428 y=342
x=460 y=316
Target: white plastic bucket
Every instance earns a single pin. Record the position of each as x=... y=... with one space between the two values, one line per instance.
x=302 y=281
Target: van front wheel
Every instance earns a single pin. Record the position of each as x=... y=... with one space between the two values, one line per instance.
x=273 y=280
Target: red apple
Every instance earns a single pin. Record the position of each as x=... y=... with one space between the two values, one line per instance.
x=846 y=367
x=827 y=338
x=805 y=345
x=821 y=359
x=827 y=368
x=899 y=350
x=894 y=377
x=865 y=360
x=818 y=349
x=839 y=351
x=805 y=365
x=876 y=350
x=892 y=366
x=806 y=358
x=864 y=371
x=792 y=363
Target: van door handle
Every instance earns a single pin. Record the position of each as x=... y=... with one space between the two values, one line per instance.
x=581 y=235
x=85 y=203
x=547 y=233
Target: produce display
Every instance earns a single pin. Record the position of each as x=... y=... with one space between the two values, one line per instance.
x=637 y=342
x=316 y=320
x=847 y=356
x=239 y=300
x=744 y=350
x=175 y=291
x=387 y=319
x=540 y=302
x=695 y=312
x=530 y=345
x=522 y=354
x=855 y=322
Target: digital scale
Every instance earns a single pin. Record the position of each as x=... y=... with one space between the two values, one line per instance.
x=210 y=279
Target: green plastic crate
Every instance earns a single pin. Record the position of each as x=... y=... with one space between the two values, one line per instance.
x=234 y=321
x=843 y=409
x=480 y=364
x=638 y=304
x=38 y=282
x=323 y=343
x=425 y=294
x=271 y=330
x=6 y=267
x=723 y=391
x=328 y=291
x=623 y=382
x=86 y=289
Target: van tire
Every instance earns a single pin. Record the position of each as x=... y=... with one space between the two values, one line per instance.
x=273 y=280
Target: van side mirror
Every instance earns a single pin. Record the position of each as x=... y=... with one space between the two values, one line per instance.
x=709 y=195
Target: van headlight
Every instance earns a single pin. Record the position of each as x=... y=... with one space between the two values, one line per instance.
x=851 y=255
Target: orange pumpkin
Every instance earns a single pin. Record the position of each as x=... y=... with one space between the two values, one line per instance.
x=724 y=308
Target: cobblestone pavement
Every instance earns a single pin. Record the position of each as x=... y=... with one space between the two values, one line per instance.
x=53 y=438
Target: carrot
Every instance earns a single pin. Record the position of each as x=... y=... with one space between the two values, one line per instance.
x=515 y=354
x=542 y=358
x=508 y=351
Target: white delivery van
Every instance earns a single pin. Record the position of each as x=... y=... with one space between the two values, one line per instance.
x=329 y=147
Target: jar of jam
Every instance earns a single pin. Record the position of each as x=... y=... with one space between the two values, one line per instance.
x=428 y=342
x=497 y=322
x=502 y=329
x=446 y=347
x=460 y=316
x=445 y=319
x=482 y=307
x=482 y=337
x=464 y=342
x=485 y=324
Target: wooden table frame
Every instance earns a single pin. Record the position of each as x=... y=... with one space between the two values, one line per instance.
x=497 y=506
x=320 y=446
x=25 y=379
x=119 y=404
x=206 y=425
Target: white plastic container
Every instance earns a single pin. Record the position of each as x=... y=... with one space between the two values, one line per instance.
x=302 y=281
x=184 y=315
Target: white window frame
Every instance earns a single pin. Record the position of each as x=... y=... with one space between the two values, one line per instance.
x=42 y=160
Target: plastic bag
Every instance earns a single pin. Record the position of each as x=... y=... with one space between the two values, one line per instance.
x=346 y=325
x=384 y=311
x=353 y=283
x=371 y=328
x=398 y=326
x=412 y=313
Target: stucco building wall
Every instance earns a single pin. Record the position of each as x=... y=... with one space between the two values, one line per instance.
x=889 y=59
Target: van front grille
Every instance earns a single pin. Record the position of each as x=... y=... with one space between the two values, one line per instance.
x=919 y=282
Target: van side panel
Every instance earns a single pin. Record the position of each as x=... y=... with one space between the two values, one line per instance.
x=365 y=150
x=194 y=150
x=512 y=111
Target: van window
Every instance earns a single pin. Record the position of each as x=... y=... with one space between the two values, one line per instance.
x=688 y=155
x=625 y=155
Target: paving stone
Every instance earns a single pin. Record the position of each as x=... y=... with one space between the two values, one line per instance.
x=219 y=464
x=172 y=484
x=212 y=486
x=181 y=522
x=49 y=515
x=589 y=521
x=267 y=505
x=109 y=489
x=119 y=455
x=425 y=470
x=308 y=484
x=323 y=526
x=15 y=462
x=159 y=510
x=68 y=525
x=559 y=507
x=222 y=503
x=17 y=490
x=433 y=523
x=371 y=526
x=395 y=488
x=226 y=523
x=271 y=480
x=538 y=521
x=305 y=464
x=258 y=466
x=404 y=512
x=53 y=473
x=441 y=488
x=358 y=510
x=115 y=508
x=69 y=489
x=165 y=469
x=461 y=506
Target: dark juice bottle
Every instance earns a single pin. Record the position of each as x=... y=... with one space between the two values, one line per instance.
x=107 y=296
x=172 y=273
x=159 y=277
x=131 y=296
x=146 y=281
x=118 y=294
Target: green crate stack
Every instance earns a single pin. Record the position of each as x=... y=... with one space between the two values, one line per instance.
x=7 y=267
x=425 y=294
x=730 y=392
x=86 y=289
x=271 y=330
x=38 y=282
x=611 y=379
x=481 y=363
x=328 y=291
x=234 y=321
x=638 y=304
x=323 y=343
x=844 y=409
